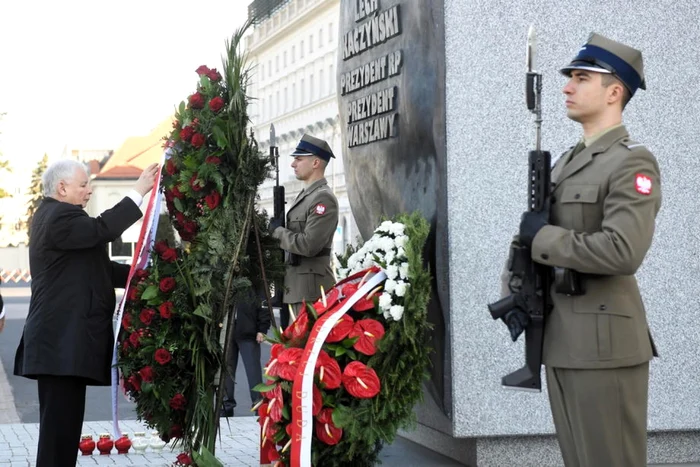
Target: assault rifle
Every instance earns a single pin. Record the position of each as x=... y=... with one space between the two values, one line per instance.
x=278 y=208
x=531 y=298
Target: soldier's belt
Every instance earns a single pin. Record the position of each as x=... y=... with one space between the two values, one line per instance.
x=323 y=252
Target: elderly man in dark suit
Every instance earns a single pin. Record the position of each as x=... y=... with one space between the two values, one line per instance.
x=67 y=340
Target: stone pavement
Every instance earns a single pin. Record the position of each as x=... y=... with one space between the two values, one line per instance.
x=238 y=445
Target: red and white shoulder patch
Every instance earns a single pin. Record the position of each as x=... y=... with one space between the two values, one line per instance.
x=320 y=209
x=642 y=184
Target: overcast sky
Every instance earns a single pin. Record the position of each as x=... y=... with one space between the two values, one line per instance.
x=88 y=74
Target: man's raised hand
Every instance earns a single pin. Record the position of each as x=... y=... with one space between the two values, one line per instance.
x=145 y=182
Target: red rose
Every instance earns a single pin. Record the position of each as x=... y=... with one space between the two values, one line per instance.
x=213 y=199
x=196 y=101
x=212 y=160
x=198 y=140
x=213 y=75
x=146 y=316
x=368 y=332
x=134 y=339
x=189 y=231
x=178 y=402
x=341 y=329
x=180 y=217
x=184 y=459
x=175 y=431
x=328 y=371
x=186 y=133
x=163 y=356
x=167 y=284
x=326 y=430
x=170 y=167
x=133 y=294
x=161 y=246
x=166 y=310
x=125 y=345
x=360 y=380
x=169 y=255
x=134 y=382
x=142 y=274
x=195 y=184
x=216 y=104
x=126 y=321
x=202 y=70
x=177 y=193
x=146 y=374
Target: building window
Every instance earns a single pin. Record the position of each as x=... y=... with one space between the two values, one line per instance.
x=301 y=49
x=277 y=64
x=311 y=88
x=262 y=71
x=269 y=107
x=294 y=96
x=269 y=68
x=331 y=79
x=262 y=109
x=321 y=84
x=311 y=43
x=294 y=49
x=285 y=100
x=277 y=103
x=330 y=32
x=320 y=38
x=302 y=100
x=284 y=59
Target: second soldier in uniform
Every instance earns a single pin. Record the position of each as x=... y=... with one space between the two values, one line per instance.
x=311 y=222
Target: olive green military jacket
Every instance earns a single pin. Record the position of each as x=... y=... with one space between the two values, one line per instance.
x=311 y=223
x=604 y=204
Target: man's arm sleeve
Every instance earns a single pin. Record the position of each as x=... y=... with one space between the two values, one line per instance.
x=629 y=216
x=120 y=274
x=73 y=229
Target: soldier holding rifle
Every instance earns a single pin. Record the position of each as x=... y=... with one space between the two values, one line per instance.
x=605 y=196
x=310 y=225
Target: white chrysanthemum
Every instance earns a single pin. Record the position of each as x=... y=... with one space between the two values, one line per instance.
x=390 y=285
x=392 y=272
x=397 y=229
x=400 y=288
x=396 y=312
x=386 y=314
x=384 y=226
x=367 y=262
x=385 y=301
x=401 y=253
x=403 y=270
x=401 y=241
x=390 y=256
x=342 y=273
x=387 y=244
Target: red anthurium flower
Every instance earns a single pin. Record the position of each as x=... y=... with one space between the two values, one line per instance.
x=341 y=329
x=186 y=133
x=328 y=371
x=202 y=70
x=146 y=316
x=213 y=199
x=317 y=403
x=166 y=310
x=269 y=451
x=287 y=363
x=167 y=284
x=299 y=327
x=162 y=356
x=275 y=404
x=216 y=104
x=360 y=381
x=369 y=332
x=274 y=353
x=196 y=101
x=326 y=430
x=198 y=140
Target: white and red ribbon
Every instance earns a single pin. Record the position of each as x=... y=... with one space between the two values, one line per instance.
x=302 y=389
x=142 y=252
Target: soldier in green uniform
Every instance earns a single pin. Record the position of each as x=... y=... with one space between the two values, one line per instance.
x=606 y=195
x=311 y=223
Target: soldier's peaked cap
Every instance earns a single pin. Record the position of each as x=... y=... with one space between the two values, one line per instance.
x=605 y=55
x=310 y=146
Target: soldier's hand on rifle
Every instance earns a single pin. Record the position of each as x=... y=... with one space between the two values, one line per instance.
x=274 y=223
x=517 y=321
x=530 y=223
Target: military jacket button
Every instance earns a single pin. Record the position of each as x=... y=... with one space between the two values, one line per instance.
x=603 y=307
x=578 y=195
x=544 y=256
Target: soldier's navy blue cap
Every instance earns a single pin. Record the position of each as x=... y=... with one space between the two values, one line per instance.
x=310 y=146
x=604 y=55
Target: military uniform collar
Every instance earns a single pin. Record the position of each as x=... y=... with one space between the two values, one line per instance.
x=592 y=139
x=321 y=181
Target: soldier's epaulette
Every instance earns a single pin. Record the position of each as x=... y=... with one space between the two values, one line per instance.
x=630 y=144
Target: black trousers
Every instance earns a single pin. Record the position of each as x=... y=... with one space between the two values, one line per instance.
x=250 y=353
x=61 y=414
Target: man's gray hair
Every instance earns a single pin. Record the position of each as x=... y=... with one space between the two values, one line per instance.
x=59 y=170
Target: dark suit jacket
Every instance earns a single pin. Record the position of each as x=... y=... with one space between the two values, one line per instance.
x=68 y=331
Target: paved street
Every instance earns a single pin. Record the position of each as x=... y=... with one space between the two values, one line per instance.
x=19 y=416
